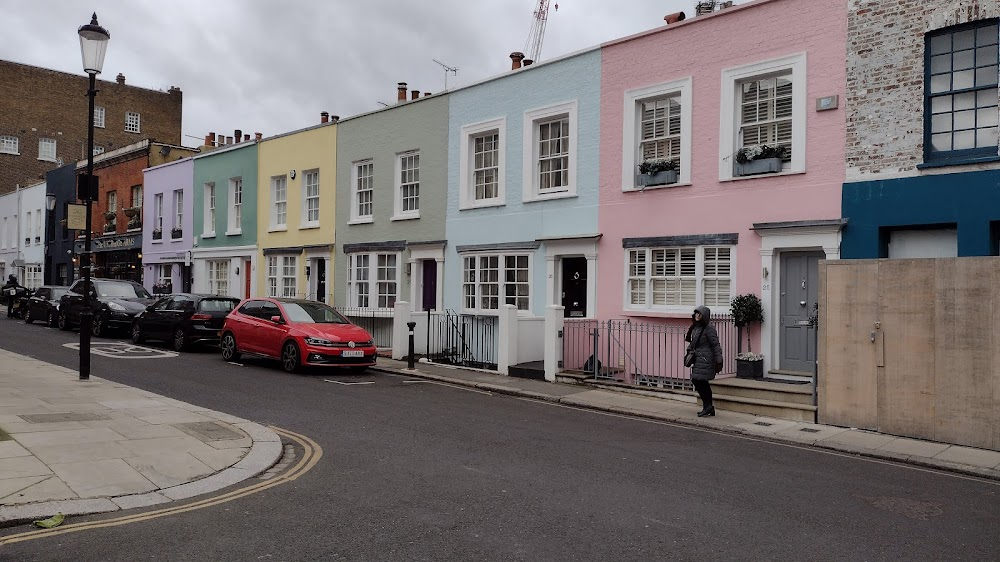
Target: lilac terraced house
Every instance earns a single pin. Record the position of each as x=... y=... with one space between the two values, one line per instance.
x=167 y=227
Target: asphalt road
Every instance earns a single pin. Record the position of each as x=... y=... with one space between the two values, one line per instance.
x=420 y=471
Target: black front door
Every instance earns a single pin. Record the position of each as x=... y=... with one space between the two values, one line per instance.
x=321 y=280
x=574 y=287
x=429 y=285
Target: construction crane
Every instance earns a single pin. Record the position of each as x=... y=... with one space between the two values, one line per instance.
x=533 y=47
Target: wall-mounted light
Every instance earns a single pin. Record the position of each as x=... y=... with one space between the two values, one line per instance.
x=764 y=273
x=237 y=270
x=409 y=267
x=308 y=271
x=291 y=174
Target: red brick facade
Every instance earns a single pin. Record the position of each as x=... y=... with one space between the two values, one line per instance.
x=40 y=103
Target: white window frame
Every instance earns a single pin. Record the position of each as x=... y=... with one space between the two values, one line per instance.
x=178 y=209
x=632 y=115
x=164 y=274
x=530 y=178
x=38 y=226
x=113 y=201
x=467 y=185
x=235 y=223
x=279 y=207
x=47 y=150
x=32 y=276
x=158 y=215
x=356 y=216
x=370 y=288
x=9 y=144
x=218 y=277
x=99 y=114
x=306 y=198
x=699 y=278
x=133 y=122
x=98 y=150
x=476 y=283
x=729 y=126
x=137 y=196
x=399 y=212
x=209 y=197
x=279 y=283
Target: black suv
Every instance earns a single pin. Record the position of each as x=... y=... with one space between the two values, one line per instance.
x=114 y=302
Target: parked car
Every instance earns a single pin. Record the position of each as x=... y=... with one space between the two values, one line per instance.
x=298 y=333
x=183 y=319
x=44 y=304
x=114 y=302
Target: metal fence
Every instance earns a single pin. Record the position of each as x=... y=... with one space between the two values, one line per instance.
x=377 y=322
x=462 y=339
x=649 y=354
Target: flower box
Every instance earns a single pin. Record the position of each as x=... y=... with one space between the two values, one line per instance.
x=754 y=167
x=659 y=178
x=176 y=233
x=157 y=234
x=747 y=369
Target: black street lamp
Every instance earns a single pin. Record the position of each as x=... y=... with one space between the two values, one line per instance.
x=93 y=46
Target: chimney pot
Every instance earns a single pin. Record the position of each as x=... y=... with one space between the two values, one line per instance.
x=258 y=136
x=246 y=137
x=229 y=140
x=238 y=134
x=334 y=118
x=324 y=117
x=426 y=94
x=400 y=91
x=208 y=141
x=528 y=62
x=120 y=78
x=211 y=139
x=674 y=17
x=414 y=94
x=515 y=60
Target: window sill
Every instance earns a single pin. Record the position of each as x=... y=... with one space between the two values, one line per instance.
x=309 y=226
x=234 y=232
x=958 y=162
x=763 y=176
x=11 y=153
x=680 y=313
x=208 y=235
x=160 y=241
x=53 y=160
x=407 y=217
x=640 y=189
x=278 y=229
x=363 y=220
x=482 y=204
x=550 y=196
x=134 y=230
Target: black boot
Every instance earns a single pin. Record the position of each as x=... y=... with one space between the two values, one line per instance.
x=709 y=411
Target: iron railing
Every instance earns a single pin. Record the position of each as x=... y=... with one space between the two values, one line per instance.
x=649 y=354
x=378 y=322
x=462 y=339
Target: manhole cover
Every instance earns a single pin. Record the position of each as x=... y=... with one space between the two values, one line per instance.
x=209 y=431
x=904 y=506
x=809 y=430
x=765 y=424
x=67 y=417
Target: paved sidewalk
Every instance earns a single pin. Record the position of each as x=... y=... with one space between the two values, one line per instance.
x=682 y=409
x=95 y=446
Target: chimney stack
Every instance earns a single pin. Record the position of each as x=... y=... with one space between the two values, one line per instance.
x=208 y=140
x=515 y=60
x=414 y=94
x=400 y=92
x=324 y=117
x=528 y=62
x=334 y=118
x=674 y=18
x=246 y=137
x=426 y=94
x=229 y=140
x=120 y=78
x=211 y=139
x=258 y=136
x=237 y=135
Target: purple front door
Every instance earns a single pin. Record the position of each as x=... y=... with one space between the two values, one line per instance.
x=429 y=295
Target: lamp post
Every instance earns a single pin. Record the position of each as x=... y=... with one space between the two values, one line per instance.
x=93 y=46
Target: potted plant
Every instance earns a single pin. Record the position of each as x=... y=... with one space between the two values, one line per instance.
x=747 y=311
x=110 y=216
x=657 y=171
x=135 y=223
x=759 y=159
x=131 y=212
x=157 y=234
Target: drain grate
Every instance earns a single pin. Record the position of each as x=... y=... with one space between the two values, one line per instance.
x=809 y=430
x=765 y=424
x=67 y=417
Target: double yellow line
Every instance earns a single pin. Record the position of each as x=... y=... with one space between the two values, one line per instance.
x=313 y=452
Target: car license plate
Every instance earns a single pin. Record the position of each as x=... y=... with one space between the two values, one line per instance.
x=353 y=353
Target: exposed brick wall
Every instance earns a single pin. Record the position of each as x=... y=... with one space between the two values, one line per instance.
x=885 y=80
x=118 y=176
x=41 y=103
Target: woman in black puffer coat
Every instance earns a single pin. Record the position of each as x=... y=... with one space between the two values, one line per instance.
x=704 y=340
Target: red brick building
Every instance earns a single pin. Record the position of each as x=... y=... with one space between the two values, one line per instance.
x=43 y=119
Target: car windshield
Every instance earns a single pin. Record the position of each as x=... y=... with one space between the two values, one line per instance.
x=58 y=292
x=312 y=313
x=217 y=305
x=121 y=290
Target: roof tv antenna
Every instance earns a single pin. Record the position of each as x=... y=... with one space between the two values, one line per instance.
x=447 y=69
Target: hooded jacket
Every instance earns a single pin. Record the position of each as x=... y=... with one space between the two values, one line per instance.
x=705 y=342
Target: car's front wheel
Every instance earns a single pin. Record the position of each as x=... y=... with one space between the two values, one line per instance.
x=228 y=345
x=179 y=340
x=137 y=335
x=290 y=357
x=63 y=322
x=27 y=317
x=50 y=319
x=100 y=326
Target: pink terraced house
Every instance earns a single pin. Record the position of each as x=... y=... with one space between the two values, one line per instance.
x=694 y=93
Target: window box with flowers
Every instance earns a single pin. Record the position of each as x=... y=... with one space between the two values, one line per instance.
x=657 y=171
x=176 y=233
x=759 y=159
x=157 y=234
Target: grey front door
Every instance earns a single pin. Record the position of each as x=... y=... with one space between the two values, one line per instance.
x=799 y=294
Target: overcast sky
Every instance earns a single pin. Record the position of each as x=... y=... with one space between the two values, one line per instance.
x=273 y=65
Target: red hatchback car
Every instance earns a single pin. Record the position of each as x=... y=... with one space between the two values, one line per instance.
x=297 y=332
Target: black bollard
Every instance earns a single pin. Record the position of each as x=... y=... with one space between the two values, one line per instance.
x=410 y=357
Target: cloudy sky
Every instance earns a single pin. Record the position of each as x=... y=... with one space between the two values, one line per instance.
x=273 y=65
